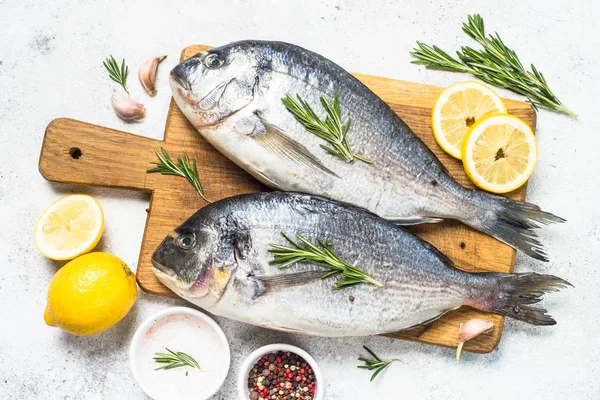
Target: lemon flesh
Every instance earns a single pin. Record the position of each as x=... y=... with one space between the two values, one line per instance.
x=499 y=153
x=69 y=227
x=90 y=294
x=459 y=107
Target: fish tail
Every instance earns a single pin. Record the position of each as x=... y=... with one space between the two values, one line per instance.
x=511 y=222
x=512 y=295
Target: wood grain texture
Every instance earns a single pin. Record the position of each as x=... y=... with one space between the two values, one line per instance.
x=118 y=159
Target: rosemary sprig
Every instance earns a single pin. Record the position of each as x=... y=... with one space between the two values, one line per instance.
x=332 y=130
x=496 y=64
x=284 y=256
x=116 y=73
x=182 y=168
x=376 y=363
x=174 y=359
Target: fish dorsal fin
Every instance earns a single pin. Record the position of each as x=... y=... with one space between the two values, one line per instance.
x=435 y=160
x=275 y=283
x=441 y=256
x=277 y=142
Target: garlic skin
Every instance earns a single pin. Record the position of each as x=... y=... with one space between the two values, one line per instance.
x=147 y=74
x=126 y=108
x=470 y=329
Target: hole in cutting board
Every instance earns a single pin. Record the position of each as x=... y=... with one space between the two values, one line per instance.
x=75 y=152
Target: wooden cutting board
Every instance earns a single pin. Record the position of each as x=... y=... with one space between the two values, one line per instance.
x=81 y=153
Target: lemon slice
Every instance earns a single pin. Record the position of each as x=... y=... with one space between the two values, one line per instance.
x=69 y=227
x=499 y=153
x=459 y=107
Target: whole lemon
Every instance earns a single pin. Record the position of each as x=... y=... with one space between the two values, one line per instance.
x=90 y=294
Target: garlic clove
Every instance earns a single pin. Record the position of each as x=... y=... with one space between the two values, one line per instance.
x=147 y=74
x=470 y=329
x=126 y=108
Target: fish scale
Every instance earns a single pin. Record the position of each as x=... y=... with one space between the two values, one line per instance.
x=232 y=277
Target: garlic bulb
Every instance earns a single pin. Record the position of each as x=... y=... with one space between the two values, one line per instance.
x=470 y=329
x=147 y=74
x=126 y=108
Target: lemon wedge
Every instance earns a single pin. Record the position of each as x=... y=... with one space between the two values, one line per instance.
x=499 y=153
x=459 y=107
x=69 y=227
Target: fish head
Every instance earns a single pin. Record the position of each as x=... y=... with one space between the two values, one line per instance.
x=188 y=262
x=214 y=84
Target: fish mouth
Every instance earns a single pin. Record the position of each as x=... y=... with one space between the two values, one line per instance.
x=182 y=82
x=162 y=269
x=197 y=288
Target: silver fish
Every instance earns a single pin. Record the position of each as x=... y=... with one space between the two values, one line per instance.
x=219 y=260
x=232 y=95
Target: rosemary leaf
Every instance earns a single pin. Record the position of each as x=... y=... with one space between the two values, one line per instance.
x=496 y=64
x=375 y=363
x=436 y=58
x=116 y=73
x=182 y=168
x=285 y=256
x=174 y=359
x=332 y=130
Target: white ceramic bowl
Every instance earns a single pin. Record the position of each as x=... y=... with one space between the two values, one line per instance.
x=242 y=381
x=180 y=329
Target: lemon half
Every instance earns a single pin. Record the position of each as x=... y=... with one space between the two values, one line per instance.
x=458 y=108
x=499 y=153
x=69 y=227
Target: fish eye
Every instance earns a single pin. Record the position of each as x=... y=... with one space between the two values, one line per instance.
x=186 y=241
x=213 y=61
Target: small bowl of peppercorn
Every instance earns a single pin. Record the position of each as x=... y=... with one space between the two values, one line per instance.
x=282 y=372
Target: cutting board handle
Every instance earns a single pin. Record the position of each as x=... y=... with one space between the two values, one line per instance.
x=82 y=153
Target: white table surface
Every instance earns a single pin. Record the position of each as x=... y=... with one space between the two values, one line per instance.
x=51 y=66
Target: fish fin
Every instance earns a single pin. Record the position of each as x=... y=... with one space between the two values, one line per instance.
x=431 y=155
x=270 y=325
x=441 y=256
x=430 y=320
x=274 y=283
x=511 y=222
x=277 y=142
x=511 y=295
x=266 y=180
x=438 y=162
x=413 y=220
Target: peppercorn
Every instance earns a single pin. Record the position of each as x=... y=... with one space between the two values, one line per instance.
x=281 y=376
